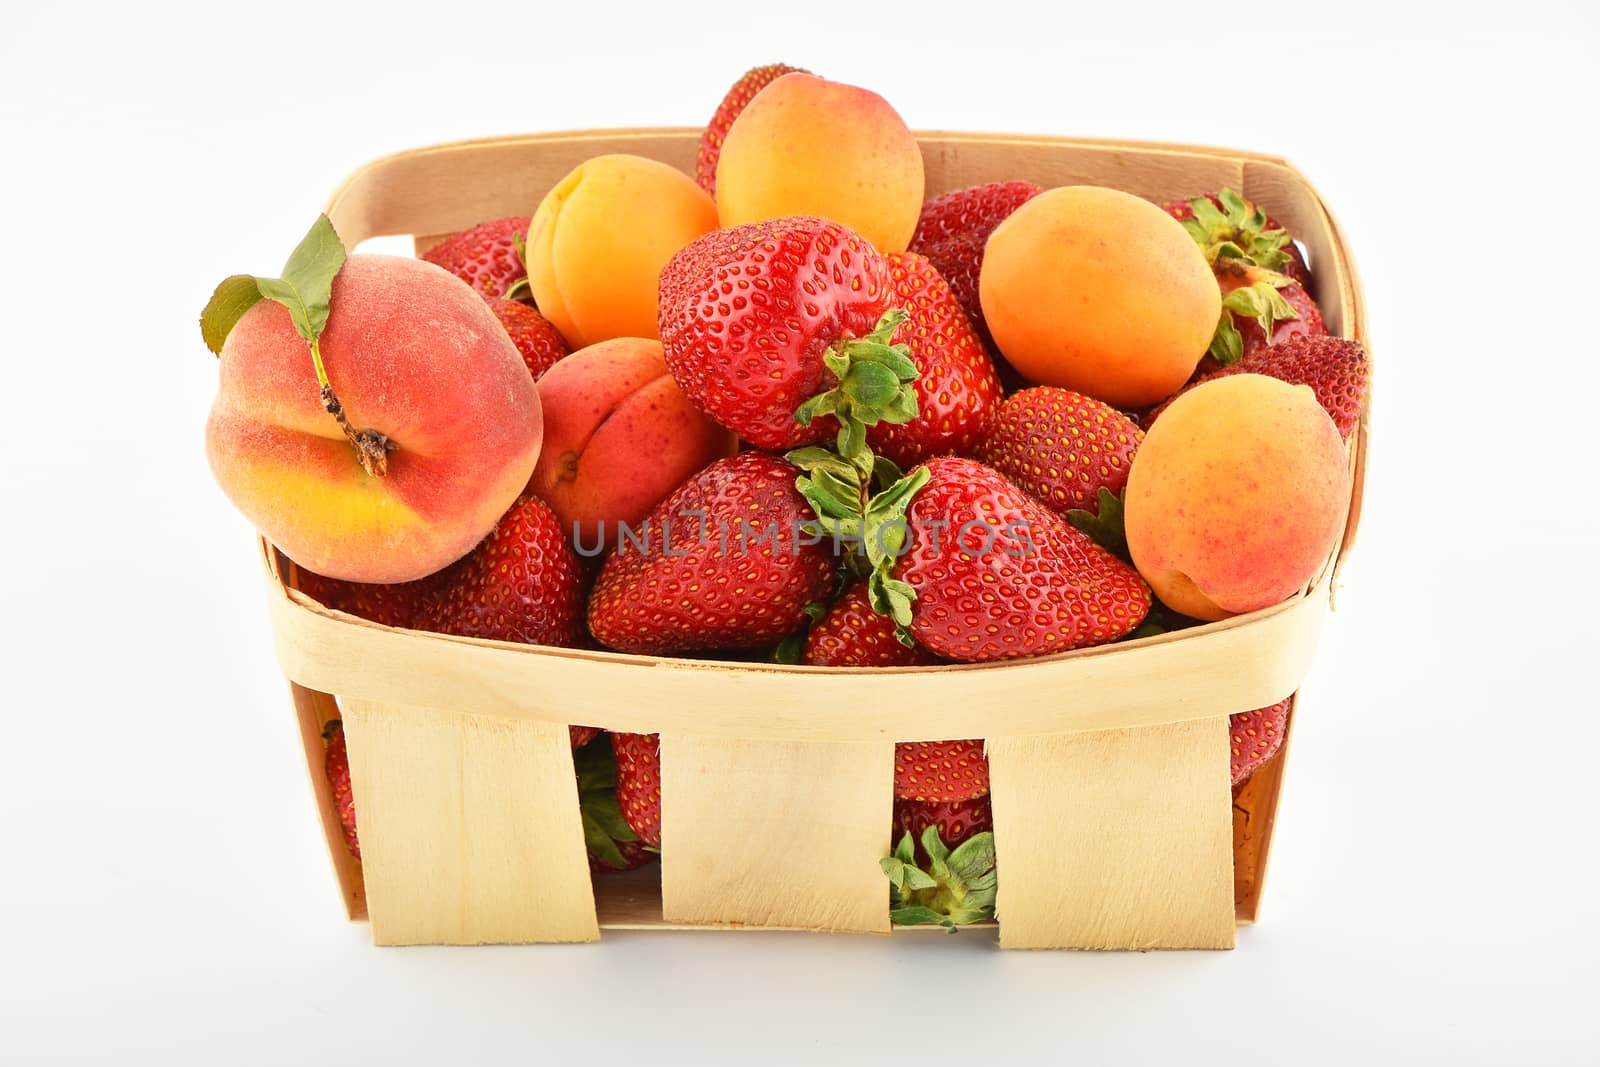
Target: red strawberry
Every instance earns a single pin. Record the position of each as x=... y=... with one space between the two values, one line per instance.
x=940 y=772
x=954 y=228
x=535 y=336
x=336 y=765
x=956 y=386
x=750 y=313
x=523 y=583
x=851 y=634
x=486 y=257
x=1255 y=736
x=1226 y=217
x=612 y=844
x=639 y=783
x=956 y=821
x=390 y=605
x=942 y=870
x=1062 y=447
x=1244 y=287
x=520 y=584
x=1336 y=370
x=721 y=563
x=744 y=90
x=996 y=574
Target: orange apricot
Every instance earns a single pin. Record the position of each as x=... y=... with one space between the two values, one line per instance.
x=1098 y=291
x=599 y=239
x=808 y=146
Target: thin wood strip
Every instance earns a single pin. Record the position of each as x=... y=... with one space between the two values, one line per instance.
x=775 y=834
x=469 y=827
x=1120 y=839
x=1246 y=662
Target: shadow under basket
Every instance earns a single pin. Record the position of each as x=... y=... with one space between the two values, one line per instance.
x=1115 y=824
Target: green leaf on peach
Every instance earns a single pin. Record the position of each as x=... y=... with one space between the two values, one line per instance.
x=232 y=298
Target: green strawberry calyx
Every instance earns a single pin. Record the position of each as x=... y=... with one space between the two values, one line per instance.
x=956 y=889
x=1237 y=230
x=860 y=498
x=1259 y=301
x=603 y=822
x=1104 y=524
x=872 y=524
x=874 y=383
x=306 y=289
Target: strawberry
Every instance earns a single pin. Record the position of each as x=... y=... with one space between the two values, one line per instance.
x=336 y=765
x=940 y=772
x=954 y=228
x=744 y=90
x=957 y=388
x=724 y=562
x=1336 y=370
x=638 y=759
x=991 y=573
x=1254 y=737
x=520 y=584
x=851 y=634
x=931 y=884
x=535 y=336
x=1259 y=269
x=1226 y=225
x=612 y=844
x=955 y=821
x=487 y=257
x=1248 y=297
x=771 y=325
x=1062 y=447
x=389 y=605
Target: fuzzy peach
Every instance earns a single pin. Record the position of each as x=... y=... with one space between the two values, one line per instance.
x=619 y=435
x=1098 y=291
x=808 y=146
x=413 y=353
x=1236 y=496
x=599 y=239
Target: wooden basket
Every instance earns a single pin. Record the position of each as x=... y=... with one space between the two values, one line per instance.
x=1114 y=824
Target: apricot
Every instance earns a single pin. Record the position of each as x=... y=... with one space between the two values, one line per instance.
x=1237 y=496
x=1097 y=291
x=808 y=146
x=599 y=239
x=413 y=353
x=619 y=435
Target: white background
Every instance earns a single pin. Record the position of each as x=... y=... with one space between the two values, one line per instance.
x=164 y=892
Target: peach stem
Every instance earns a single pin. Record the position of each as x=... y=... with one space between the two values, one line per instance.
x=372 y=448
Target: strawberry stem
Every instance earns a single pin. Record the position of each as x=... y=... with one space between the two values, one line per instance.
x=874 y=385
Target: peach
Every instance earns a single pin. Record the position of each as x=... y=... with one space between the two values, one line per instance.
x=619 y=435
x=1236 y=496
x=599 y=239
x=1098 y=291
x=808 y=146
x=413 y=353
